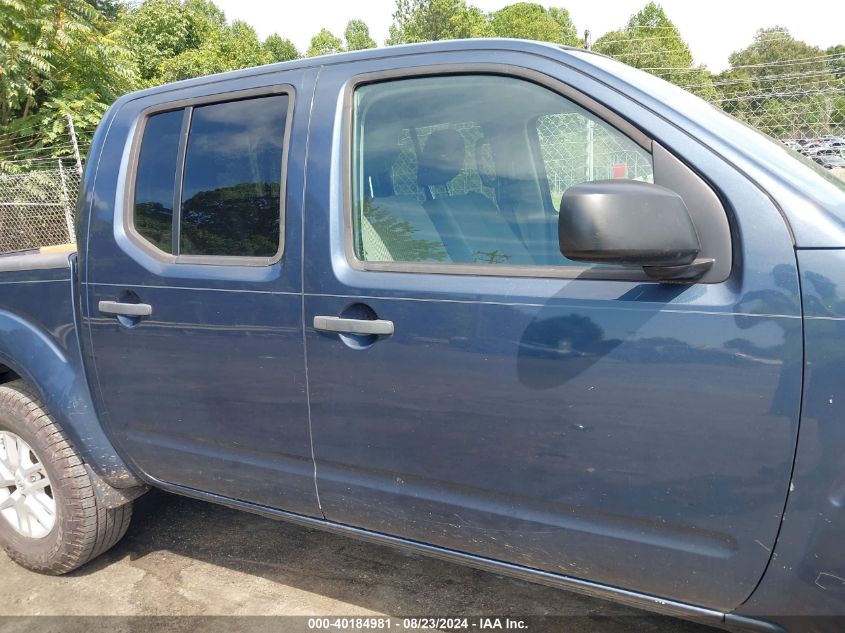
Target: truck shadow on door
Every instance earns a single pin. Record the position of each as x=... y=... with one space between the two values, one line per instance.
x=170 y=535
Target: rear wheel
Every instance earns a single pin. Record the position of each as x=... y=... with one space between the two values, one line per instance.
x=50 y=519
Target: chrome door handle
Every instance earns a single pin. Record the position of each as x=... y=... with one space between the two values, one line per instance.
x=125 y=309
x=353 y=326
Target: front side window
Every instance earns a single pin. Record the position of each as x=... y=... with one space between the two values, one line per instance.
x=225 y=199
x=470 y=169
x=575 y=149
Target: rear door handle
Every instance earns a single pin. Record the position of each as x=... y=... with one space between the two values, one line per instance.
x=126 y=309
x=353 y=326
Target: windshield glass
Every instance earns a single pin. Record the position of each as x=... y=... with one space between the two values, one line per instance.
x=805 y=160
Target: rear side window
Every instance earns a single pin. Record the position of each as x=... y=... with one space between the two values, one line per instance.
x=155 y=179
x=218 y=193
x=233 y=169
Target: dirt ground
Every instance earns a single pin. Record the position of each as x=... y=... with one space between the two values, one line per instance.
x=188 y=558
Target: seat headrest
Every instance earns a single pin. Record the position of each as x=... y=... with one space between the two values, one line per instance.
x=441 y=159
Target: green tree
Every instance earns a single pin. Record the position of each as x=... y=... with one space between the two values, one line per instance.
x=431 y=20
x=207 y=17
x=228 y=48
x=563 y=18
x=109 y=9
x=838 y=119
x=357 y=36
x=280 y=49
x=56 y=58
x=836 y=60
x=780 y=85
x=531 y=21
x=158 y=30
x=324 y=43
x=652 y=42
x=239 y=46
x=765 y=57
x=172 y=40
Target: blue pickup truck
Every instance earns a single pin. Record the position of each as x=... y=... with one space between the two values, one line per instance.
x=504 y=303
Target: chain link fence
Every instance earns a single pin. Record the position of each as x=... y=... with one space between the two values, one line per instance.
x=792 y=101
x=476 y=176
x=36 y=207
x=799 y=102
x=574 y=149
x=39 y=186
x=578 y=149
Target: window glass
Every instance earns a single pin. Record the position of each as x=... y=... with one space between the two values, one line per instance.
x=232 y=178
x=470 y=169
x=155 y=179
x=577 y=149
x=471 y=176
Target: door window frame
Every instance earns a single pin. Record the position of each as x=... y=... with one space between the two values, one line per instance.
x=593 y=107
x=132 y=169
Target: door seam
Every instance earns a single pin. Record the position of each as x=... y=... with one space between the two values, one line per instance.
x=302 y=287
x=797 y=438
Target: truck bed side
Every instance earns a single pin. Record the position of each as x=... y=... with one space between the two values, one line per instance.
x=39 y=342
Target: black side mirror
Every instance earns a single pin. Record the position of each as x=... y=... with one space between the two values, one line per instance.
x=633 y=224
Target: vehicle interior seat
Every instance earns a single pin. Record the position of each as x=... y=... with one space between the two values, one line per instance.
x=372 y=245
x=397 y=228
x=472 y=227
x=394 y=227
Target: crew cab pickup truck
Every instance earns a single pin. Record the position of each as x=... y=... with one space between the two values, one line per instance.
x=501 y=302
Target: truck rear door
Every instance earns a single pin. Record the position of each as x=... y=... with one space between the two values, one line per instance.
x=192 y=288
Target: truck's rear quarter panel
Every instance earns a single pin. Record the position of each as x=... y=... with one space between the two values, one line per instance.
x=39 y=342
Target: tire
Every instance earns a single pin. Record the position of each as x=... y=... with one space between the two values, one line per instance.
x=81 y=528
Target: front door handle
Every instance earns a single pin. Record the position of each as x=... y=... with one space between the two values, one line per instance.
x=125 y=309
x=379 y=327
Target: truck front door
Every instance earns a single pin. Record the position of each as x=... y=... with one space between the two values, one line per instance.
x=473 y=389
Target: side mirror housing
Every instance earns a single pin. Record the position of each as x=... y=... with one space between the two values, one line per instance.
x=630 y=223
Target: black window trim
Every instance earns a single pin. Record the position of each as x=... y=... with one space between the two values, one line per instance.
x=187 y=105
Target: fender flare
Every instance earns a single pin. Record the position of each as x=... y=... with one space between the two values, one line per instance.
x=58 y=377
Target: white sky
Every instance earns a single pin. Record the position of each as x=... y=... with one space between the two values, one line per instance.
x=713 y=28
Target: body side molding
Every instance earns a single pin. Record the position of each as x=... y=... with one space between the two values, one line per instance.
x=672 y=608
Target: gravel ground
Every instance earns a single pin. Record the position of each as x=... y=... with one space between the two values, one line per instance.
x=189 y=558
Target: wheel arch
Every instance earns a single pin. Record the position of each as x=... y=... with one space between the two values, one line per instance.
x=57 y=376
